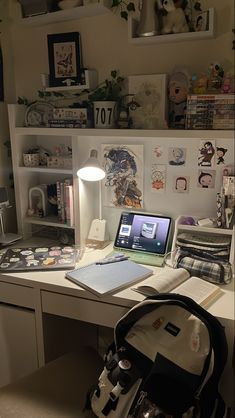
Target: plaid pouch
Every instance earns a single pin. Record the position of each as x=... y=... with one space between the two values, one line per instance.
x=205 y=266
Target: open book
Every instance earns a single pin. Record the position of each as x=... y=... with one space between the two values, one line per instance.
x=179 y=281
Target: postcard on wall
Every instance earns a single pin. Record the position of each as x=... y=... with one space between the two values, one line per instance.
x=158 y=178
x=206 y=179
x=177 y=156
x=181 y=184
x=149 y=95
x=123 y=185
x=221 y=155
x=206 y=153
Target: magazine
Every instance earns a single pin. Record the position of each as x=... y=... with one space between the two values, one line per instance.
x=179 y=281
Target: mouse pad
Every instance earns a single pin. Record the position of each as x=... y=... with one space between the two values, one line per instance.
x=38 y=258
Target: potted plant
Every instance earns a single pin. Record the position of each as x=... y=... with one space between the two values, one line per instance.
x=106 y=98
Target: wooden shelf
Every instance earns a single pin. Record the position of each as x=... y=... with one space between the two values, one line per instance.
x=46 y=170
x=47 y=221
x=177 y=37
x=94 y=9
x=91 y=81
x=127 y=133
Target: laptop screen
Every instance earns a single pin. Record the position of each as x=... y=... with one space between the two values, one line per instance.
x=143 y=232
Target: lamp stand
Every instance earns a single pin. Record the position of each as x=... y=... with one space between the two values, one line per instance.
x=98 y=229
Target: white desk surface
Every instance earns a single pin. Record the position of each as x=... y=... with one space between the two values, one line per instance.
x=55 y=281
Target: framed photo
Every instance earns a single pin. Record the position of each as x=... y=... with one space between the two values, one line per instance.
x=201 y=22
x=64 y=55
x=149 y=110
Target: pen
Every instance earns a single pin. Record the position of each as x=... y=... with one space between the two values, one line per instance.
x=111 y=260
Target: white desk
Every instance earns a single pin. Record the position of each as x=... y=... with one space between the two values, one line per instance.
x=51 y=294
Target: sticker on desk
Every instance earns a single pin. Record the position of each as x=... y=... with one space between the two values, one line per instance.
x=38 y=258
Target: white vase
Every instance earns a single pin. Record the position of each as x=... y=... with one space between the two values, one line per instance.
x=105 y=114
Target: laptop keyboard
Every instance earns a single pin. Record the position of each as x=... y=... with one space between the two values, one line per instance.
x=152 y=260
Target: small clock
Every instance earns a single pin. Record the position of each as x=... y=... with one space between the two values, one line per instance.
x=38 y=113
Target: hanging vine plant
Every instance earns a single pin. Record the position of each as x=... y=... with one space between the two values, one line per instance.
x=123 y=7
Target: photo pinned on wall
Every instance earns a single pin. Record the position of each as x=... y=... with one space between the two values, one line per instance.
x=150 y=94
x=206 y=153
x=177 y=156
x=206 y=179
x=123 y=185
x=221 y=155
x=64 y=55
x=158 y=151
x=181 y=184
x=158 y=178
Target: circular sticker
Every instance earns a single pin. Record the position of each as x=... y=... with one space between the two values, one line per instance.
x=4 y=265
x=26 y=252
x=68 y=250
x=49 y=261
x=14 y=259
x=41 y=250
x=54 y=253
x=65 y=261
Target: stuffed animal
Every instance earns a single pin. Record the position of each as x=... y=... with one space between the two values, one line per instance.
x=179 y=85
x=173 y=17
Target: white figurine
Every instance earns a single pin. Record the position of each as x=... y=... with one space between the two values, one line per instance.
x=174 y=21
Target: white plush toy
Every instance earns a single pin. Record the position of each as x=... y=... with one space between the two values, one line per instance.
x=174 y=21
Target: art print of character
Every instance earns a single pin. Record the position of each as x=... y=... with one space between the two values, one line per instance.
x=206 y=180
x=181 y=184
x=121 y=170
x=206 y=154
x=178 y=156
x=158 y=179
x=220 y=152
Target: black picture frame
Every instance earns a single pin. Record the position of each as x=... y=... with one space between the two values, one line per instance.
x=64 y=56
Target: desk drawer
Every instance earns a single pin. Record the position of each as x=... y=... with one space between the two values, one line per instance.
x=82 y=309
x=17 y=295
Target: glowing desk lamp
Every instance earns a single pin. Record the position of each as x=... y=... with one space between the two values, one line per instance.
x=91 y=170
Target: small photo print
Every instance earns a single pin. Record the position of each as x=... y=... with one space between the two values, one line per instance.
x=206 y=153
x=181 y=184
x=201 y=22
x=177 y=156
x=206 y=179
x=158 y=178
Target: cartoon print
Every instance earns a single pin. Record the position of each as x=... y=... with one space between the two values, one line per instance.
x=177 y=156
x=220 y=152
x=158 y=151
x=206 y=154
x=158 y=177
x=123 y=175
x=181 y=184
x=206 y=179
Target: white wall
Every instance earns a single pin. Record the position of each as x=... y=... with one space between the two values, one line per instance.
x=105 y=46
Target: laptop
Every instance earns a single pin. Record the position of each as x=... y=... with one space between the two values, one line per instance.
x=143 y=237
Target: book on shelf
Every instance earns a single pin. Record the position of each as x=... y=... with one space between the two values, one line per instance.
x=66 y=123
x=104 y=278
x=179 y=281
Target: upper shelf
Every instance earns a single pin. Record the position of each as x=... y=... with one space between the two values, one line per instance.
x=93 y=9
x=174 y=37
